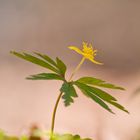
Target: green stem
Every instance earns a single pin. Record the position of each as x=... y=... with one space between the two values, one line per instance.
x=54 y=113
x=77 y=68
x=59 y=97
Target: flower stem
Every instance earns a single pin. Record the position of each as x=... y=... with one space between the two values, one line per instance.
x=54 y=114
x=77 y=68
x=59 y=97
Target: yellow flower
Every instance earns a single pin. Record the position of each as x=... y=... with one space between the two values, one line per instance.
x=88 y=52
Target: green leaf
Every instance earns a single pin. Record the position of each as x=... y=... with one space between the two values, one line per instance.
x=2 y=135
x=98 y=82
x=98 y=92
x=24 y=137
x=101 y=94
x=59 y=64
x=35 y=60
x=85 y=89
x=47 y=58
x=62 y=67
x=69 y=93
x=117 y=105
x=45 y=76
x=11 y=138
x=68 y=137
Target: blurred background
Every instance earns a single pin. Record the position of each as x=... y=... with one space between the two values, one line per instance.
x=50 y=26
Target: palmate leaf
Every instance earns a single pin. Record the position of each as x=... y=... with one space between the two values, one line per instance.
x=47 y=58
x=45 y=61
x=69 y=93
x=45 y=76
x=91 y=95
x=98 y=82
x=98 y=92
x=59 y=64
x=35 y=60
x=99 y=96
x=62 y=67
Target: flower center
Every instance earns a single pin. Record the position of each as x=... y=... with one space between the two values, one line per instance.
x=87 y=49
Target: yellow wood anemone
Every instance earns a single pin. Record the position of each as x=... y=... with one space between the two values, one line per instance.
x=88 y=52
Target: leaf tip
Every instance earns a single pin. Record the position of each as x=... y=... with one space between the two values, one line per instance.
x=127 y=111
x=121 y=88
x=12 y=52
x=28 y=78
x=112 y=112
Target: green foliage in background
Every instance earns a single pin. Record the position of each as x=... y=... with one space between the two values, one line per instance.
x=4 y=136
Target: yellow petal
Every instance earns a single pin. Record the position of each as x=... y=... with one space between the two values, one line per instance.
x=85 y=44
x=75 y=49
x=94 y=61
